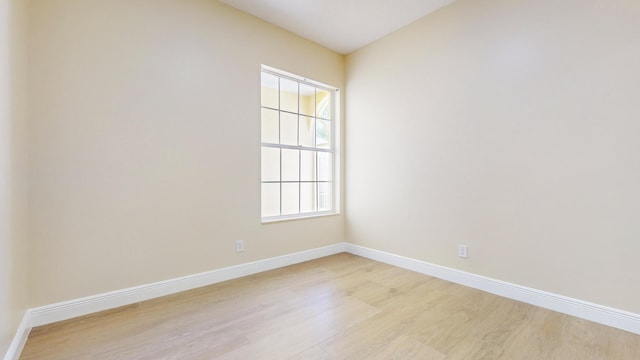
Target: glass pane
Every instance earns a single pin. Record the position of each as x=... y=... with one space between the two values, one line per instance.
x=270 y=127
x=323 y=104
x=288 y=95
x=290 y=199
x=307 y=197
x=288 y=129
x=307 y=128
x=269 y=90
x=307 y=165
x=325 y=166
x=270 y=200
x=290 y=165
x=325 y=196
x=270 y=164
x=307 y=100
x=323 y=134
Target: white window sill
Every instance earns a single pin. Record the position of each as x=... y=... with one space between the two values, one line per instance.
x=277 y=219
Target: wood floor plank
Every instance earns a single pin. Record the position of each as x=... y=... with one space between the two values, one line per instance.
x=338 y=307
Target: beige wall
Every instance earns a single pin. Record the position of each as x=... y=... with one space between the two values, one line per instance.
x=509 y=126
x=13 y=167
x=145 y=151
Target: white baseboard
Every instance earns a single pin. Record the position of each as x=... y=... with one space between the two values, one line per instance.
x=16 y=346
x=69 y=309
x=597 y=313
x=91 y=304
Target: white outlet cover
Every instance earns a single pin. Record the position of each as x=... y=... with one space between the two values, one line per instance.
x=462 y=251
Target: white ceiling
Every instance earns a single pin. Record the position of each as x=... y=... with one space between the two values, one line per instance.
x=340 y=25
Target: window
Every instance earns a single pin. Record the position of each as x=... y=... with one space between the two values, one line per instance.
x=298 y=137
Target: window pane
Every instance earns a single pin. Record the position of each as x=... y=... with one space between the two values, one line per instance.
x=270 y=127
x=307 y=100
x=307 y=129
x=325 y=166
x=307 y=165
x=270 y=164
x=325 y=196
x=323 y=104
x=290 y=165
x=323 y=134
x=288 y=95
x=296 y=115
x=307 y=197
x=288 y=129
x=269 y=90
x=290 y=199
x=270 y=199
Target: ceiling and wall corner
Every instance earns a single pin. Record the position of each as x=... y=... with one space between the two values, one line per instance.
x=340 y=25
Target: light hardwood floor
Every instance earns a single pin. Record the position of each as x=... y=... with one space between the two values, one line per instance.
x=338 y=307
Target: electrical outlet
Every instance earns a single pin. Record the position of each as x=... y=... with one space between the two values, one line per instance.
x=462 y=251
x=239 y=245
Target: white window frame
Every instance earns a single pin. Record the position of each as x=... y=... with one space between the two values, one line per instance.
x=333 y=150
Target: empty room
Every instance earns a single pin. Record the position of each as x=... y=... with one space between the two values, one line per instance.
x=319 y=179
